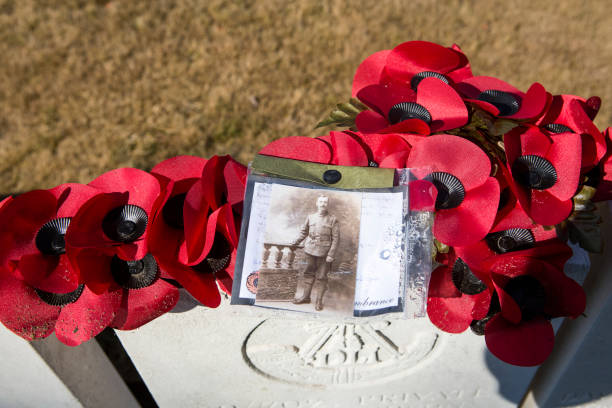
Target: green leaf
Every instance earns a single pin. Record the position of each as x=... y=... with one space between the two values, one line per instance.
x=344 y=114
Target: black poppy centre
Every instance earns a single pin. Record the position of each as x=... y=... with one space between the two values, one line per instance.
x=513 y=239
x=417 y=78
x=50 y=237
x=126 y=223
x=450 y=190
x=218 y=258
x=408 y=110
x=464 y=279
x=534 y=172
x=135 y=274
x=507 y=103
x=60 y=299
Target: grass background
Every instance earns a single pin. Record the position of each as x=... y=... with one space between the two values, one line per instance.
x=88 y=86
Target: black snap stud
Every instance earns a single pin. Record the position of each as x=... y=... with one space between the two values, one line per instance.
x=332 y=176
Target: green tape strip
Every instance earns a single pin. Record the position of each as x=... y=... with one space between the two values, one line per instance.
x=351 y=177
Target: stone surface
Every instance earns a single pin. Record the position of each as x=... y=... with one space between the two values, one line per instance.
x=241 y=356
x=25 y=379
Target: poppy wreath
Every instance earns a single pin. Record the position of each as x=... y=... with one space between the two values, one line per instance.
x=511 y=176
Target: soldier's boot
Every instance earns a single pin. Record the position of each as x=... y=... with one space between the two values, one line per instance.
x=319 y=300
x=305 y=298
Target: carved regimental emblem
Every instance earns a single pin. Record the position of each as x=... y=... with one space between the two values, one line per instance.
x=338 y=354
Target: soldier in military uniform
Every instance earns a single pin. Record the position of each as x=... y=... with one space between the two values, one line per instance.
x=321 y=232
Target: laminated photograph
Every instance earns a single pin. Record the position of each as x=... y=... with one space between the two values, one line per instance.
x=317 y=249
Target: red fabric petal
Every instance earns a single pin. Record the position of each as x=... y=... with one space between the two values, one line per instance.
x=408 y=126
x=412 y=57
x=546 y=209
x=201 y=286
x=85 y=229
x=485 y=106
x=422 y=195
x=443 y=103
x=346 y=150
x=87 y=317
x=70 y=197
x=394 y=161
x=49 y=273
x=180 y=167
x=464 y=70
x=235 y=175
x=482 y=302
x=21 y=219
x=447 y=308
x=452 y=154
x=472 y=220
x=369 y=71
x=22 y=311
x=369 y=121
x=140 y=306
x=143 y=188
x=533 y=103
x=472 y=87
x=382 y=98
x=565 y=155
x=299 y=148
x=526 y=344
x=95 y=269
x=509 y=308
x=382 y=145
x=533 y=141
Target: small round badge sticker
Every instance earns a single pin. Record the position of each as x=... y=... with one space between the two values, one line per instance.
x=251 y=282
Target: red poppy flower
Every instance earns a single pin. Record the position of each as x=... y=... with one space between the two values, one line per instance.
x=409 y=63
x=75 y=316
x=530 y=292
x=603 y=181
x=32 y=230
x=545 y=172
x=502 y=99
x=457 y=296
x=143 y=295
x=467 y=200
x=299 y=148
x=117 y=220
x=572 y=114
x=211 y=214
x=433 y=107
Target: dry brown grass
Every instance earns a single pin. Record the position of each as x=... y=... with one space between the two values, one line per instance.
x=87 y=86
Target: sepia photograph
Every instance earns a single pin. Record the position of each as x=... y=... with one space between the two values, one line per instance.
x=310 y=250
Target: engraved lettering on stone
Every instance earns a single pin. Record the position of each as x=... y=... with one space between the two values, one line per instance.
x=320 y=353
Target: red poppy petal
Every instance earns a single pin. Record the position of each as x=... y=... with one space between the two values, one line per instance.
x=482 y=301
x=485 y=106
x=441 y=284
x=472 y=220
x=369 y=71
x=133 y=250
x=87 y=317
x=565 y=155
x=394 y=161
x=382 y=98
x=143 y=188
x=140 y=306
x=299 y=148
x=382 y=145
x=94 y=266
x=49 y=273
x=474 y=255
x=22 y=311
x=579 y=120
x=533 y=141
x=422 y=195
x=408 y=126
x=180 y=167
x=534 y=102
x=452 y=154
x=546 y=209
x=201 y=286
x=412 y=57
x=234 y=175
x=526 y=344
x=369 y=121
x=85 y=228
x=472 y=87
x=443 y=103
x=198 y=242
x=346 y=150
x=464 y=70
x=70 y=197
x=509 y=308
x=21 y=219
